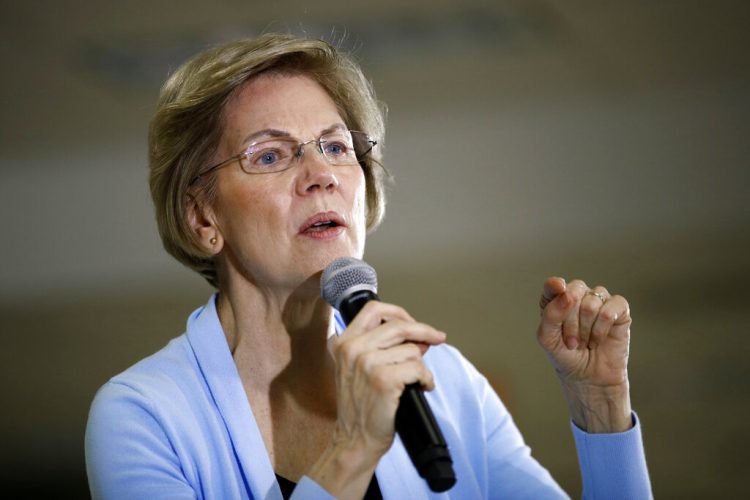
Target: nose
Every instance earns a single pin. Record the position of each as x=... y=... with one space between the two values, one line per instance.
x=315 y=173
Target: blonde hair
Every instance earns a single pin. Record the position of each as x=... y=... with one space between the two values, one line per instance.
x=187 y=126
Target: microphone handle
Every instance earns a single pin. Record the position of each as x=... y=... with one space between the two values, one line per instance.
x=415 y=422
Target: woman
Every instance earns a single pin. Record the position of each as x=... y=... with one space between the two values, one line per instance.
x=264 y=158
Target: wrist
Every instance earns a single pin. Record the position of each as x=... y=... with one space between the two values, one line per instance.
x=598 y=410
x=345 y=468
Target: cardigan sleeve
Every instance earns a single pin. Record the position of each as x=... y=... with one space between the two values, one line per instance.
x=613 y=466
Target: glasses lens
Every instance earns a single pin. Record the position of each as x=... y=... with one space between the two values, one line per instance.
x=338 y=148
x=274 y=155
x=269 y=156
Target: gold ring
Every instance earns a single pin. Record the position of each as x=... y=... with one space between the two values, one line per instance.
x=597 y=294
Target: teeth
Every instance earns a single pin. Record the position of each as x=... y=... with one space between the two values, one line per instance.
x=322 y=225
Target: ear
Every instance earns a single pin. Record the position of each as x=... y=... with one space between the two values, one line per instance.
x=202 y=221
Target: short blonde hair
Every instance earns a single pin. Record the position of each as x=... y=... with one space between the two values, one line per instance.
x=187 y=126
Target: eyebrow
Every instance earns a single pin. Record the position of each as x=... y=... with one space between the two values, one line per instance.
x=272 y=132
x=266 y=132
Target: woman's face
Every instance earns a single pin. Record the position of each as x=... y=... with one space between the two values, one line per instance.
x=279 y=229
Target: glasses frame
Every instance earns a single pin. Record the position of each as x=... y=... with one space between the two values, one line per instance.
x=300 y=149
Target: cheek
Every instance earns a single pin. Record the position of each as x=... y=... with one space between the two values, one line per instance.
x=244 y=208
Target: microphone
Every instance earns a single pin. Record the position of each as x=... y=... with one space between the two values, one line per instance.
x=348 y=284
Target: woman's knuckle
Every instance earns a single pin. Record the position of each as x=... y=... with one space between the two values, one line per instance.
x=363 y=363
x=607 y=315
x=578 y=283
x=589 y=306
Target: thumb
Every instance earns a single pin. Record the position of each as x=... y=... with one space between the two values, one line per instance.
x=553 y=286
x=554 y=314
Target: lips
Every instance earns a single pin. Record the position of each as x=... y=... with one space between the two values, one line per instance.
x=323 y=222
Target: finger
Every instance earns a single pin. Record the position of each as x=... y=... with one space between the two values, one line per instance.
x=394 y=378
x=553 y=286
x=373 y=314
x=397 y=332
x=571 y=330
x=384 y=336
x=615 y=311
x=623 y=316
x=553 y=317
x=591 y=303
x=370 y=361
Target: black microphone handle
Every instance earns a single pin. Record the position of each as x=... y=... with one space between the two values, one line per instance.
x=415 y=423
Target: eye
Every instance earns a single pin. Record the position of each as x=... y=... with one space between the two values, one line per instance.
x=269 y=155
x=267 y=158
x=335 y=148
x=338 y=147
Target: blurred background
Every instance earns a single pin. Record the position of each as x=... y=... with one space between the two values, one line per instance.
x=595 y=139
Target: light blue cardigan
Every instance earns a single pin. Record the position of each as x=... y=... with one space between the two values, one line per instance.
x=178 y=425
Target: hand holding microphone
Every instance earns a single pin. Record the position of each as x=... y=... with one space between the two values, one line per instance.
x=381 y=372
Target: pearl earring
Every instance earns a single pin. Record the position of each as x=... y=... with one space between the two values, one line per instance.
x=213 y=240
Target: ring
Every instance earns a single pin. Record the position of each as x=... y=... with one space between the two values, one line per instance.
x=597 y=294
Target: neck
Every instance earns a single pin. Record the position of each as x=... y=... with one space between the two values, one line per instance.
x=277 y=336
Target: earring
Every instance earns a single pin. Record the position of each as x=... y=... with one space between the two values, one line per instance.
x=213 y=240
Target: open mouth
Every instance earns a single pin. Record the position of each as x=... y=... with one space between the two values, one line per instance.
x=322 y=222
x=322 y=226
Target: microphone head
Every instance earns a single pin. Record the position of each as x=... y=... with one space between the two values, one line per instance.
x=344 y=276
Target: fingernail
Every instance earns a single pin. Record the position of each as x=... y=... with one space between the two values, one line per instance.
x=571 y=343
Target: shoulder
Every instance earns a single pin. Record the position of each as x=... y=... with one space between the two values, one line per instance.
x=167 y=375
x=141 y=419
x=132 y=441
x=157 y=375
x=168 y=389
x=133 y=394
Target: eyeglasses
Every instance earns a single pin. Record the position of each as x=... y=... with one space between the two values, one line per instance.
x=339 y=148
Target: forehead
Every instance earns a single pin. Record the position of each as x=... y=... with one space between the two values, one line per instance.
x=296 y=104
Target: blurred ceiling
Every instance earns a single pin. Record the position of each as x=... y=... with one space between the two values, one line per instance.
x=513 y=125
x=82 y=70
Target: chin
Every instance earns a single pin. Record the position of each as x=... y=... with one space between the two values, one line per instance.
x=310 y=262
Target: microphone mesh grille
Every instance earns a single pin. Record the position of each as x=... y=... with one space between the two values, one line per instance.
x=344 y=273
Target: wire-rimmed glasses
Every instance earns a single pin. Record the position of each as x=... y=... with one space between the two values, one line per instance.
x=339 y=147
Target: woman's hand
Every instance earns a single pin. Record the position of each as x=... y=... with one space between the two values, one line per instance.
x=376 y=357
x=586 y=334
